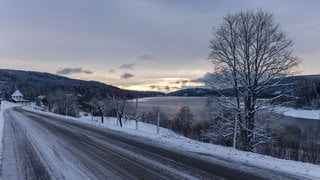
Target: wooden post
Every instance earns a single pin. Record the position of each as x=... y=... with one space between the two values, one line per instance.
x=136 y=111
x=158 y=123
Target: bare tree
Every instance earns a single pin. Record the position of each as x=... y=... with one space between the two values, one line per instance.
x=183 y=121
x=152 y=118
x=63 y=102
x=307 y=92
x=250 y=53
x=220 y=120
x=100 y=104
x=120 y=106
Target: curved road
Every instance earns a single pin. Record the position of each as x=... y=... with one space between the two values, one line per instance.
x=47 y=147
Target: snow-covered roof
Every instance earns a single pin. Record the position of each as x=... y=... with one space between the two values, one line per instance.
x=17 y=93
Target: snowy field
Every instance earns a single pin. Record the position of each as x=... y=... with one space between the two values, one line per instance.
x=299 y=113
x=171 y=140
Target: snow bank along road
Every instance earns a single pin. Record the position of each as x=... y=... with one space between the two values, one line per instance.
x=46 y=147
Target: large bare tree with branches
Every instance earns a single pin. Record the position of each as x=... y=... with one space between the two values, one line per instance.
x=250 y=53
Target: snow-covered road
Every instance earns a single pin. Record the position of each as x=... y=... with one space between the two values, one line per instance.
x=41 y=147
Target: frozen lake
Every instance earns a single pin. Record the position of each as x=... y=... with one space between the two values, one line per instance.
x=172 y=105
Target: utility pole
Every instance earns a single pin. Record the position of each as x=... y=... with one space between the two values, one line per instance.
x=158 y=123
x=136 y=111
x=91 y=114
x=66 y=110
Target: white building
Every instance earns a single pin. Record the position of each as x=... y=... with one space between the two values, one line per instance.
x=17 y=96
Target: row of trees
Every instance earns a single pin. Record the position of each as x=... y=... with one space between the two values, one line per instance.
x=294 y=143
x=307 y=92
x=112 y=105
x=62 y=102
x=275 y=139
x=183 y=122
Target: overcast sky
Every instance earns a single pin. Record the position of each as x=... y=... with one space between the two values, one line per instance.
x=140 y=44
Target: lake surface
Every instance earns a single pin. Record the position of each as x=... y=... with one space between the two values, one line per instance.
x=172 y=105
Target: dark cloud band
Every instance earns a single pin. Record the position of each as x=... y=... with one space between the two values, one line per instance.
x=127 y=66
x=67 y=71
x=127 y=76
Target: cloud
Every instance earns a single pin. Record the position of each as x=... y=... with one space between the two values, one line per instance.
x=155 y=87
x=127 y=66
x=181 y=82
x=162 y=88
x=146 y=57
x=67 y=71
x=126 y=76
x=111 y=71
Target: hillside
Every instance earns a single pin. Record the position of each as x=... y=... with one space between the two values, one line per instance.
x=32 y=84
x=191 y=92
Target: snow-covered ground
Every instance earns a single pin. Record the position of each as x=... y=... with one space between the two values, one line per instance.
x=299 y=113
x=169 y=139
x=3 y=106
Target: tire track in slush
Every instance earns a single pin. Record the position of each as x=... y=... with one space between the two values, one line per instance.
x=28 y=164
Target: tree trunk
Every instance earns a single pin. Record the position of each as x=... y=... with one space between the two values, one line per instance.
x=102 y=118
x=250 y=131
x=119 y=117
x=234 y=132
x=249 y=123
x=102 y=115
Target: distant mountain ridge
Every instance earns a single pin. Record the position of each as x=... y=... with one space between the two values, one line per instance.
x=192 y=92
x=269 y=92
x=32 y=84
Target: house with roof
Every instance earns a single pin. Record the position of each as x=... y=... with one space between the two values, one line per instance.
x=17 y=96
